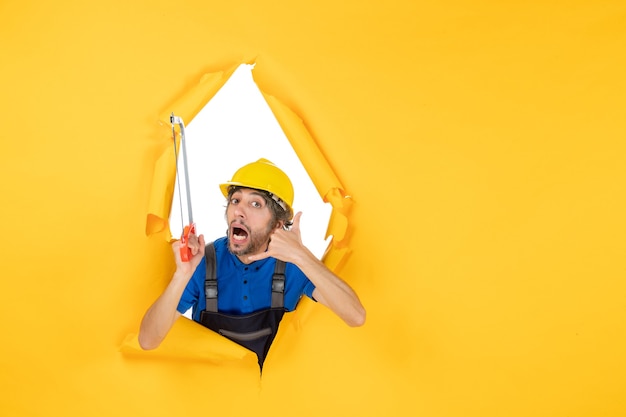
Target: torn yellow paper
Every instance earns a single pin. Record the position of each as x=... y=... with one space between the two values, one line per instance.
x=191 y=341
x=186 y=107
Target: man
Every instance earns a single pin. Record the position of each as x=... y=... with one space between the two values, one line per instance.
x=241 y=284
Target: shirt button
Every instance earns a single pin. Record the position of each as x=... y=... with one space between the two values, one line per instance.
x=245 y=297
x=245 y=281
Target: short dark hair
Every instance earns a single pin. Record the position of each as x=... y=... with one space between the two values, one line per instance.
x=278 y=212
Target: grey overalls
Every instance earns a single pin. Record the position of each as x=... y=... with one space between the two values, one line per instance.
x=254 y=331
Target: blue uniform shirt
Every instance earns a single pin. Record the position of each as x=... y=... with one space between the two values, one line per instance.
x=242 y=289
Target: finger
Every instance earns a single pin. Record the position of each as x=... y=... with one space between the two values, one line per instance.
x=296 y=222
x=202 y=244
x=259 y=256
x=193 y=244
x=176 y=249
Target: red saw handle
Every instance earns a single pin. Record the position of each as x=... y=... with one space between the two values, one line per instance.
x=185 y=252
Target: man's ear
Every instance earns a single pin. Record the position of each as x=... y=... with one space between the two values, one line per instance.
x=280 y=224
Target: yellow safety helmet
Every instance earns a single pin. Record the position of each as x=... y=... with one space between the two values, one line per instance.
x=263 y=175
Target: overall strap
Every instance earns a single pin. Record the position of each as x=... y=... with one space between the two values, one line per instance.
x=278 y=284
x=210 y=283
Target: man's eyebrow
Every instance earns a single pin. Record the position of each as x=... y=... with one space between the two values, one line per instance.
x=259 y=193
x=252 y=191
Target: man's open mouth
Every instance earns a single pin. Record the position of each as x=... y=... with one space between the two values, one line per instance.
x=239 y=234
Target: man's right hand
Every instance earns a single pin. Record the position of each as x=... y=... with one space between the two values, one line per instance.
x=196 y=246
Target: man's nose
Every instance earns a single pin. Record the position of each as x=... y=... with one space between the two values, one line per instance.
x=239 y=211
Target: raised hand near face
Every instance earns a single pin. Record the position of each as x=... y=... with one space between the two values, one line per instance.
x=285 y=245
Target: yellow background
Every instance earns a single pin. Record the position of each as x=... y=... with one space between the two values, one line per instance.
x=482 y=144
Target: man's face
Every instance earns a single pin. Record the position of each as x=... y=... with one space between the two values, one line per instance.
x=249 y=222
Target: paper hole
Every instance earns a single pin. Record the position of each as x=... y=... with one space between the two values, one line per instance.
x=234 y=128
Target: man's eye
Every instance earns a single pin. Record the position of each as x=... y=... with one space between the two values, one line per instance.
x=234 y=200
x=256 y=204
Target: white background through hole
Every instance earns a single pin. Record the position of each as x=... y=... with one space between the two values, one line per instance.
x=237 y=127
